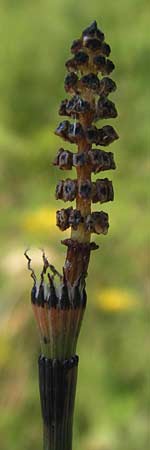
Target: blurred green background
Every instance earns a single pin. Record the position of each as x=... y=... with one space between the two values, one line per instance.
x=113 y=395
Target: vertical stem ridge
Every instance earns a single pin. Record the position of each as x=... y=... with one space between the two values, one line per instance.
x=57 y=382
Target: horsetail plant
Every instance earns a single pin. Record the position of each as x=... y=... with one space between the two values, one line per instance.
x=59 y=306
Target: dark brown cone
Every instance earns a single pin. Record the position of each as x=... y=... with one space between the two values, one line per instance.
x=88 y=62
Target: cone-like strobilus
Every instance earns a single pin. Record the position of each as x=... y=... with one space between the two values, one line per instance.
x=59 y=300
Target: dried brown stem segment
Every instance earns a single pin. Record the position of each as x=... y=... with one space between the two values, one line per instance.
x=88 y=103
x=79 y=253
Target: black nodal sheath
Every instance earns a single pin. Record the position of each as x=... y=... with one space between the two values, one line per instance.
x=57 y=383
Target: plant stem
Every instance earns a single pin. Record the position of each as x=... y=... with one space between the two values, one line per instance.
x=57 y=380
x=83 y=205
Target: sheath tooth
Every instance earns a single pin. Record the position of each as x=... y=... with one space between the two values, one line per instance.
x=79 y=61
x=62 y=129
x=76 y=45
x=93 y=44
x=70 y=132
x=106 y=135
x=102 y=136
x=85 y=189
x=71 y=65
x=105 y=109
x=93 y=32
x=106 y=86
x=81 y=58
x=105 y=49
x=97 y=222
x=80 y=159
x=102 y=191
x=62 y=109
x=75 y=133
x=59 y=190
x=91 y=134
x=76 y=105
x=63 y=159
x=62 y=218
x=89 y=81
x=101 y=160
x=66 y=190
x=75 y=218
x=69 y=190
x=71 y=82
x=105 y=66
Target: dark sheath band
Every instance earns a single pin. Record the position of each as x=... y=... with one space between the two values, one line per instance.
x=57 y=381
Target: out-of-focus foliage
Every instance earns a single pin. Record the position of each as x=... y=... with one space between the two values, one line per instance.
x=113 y=396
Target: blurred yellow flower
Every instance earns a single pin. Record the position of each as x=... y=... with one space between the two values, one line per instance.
x=114 y=299
x=41 y=220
